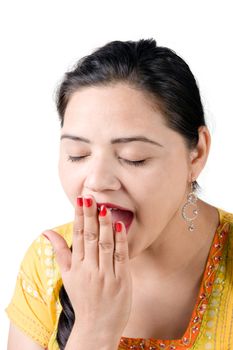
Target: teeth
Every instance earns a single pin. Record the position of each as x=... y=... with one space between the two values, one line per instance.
x=109 y=209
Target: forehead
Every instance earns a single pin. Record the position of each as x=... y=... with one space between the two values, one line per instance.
x=119 y=103
x=102 y=113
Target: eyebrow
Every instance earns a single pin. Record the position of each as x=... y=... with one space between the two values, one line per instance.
x=113 y=141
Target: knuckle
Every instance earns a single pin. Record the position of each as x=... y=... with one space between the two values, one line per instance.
x=90 y=235
x=78 y=231
x=106 y=246
x=119 y=256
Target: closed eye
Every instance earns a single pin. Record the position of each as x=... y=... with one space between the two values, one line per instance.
x=75 y=159
x=130 y=162
x=135 y=162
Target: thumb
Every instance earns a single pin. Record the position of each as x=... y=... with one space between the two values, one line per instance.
x=61 y=250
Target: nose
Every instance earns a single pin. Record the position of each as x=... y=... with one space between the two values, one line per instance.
x=102 y=177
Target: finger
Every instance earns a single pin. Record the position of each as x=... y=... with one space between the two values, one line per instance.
x=106 y=242
x=91 y=228
x=78 y=243
x=121 y=252
x=61 y=250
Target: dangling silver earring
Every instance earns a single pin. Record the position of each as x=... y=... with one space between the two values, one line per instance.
x=191 y=200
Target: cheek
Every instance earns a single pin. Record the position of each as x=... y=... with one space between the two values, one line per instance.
x=62 y=171
x=163 y=192
x=70 y=181
x=168 y=177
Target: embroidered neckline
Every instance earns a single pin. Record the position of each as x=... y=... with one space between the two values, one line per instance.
x=206 y=286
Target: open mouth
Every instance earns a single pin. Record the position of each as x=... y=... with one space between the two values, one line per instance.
x=123 y=215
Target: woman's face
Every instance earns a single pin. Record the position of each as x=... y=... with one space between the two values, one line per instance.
x=118 y=125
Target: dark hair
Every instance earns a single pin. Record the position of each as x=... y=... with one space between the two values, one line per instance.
x=155 y=70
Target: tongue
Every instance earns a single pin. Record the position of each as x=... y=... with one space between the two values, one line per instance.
x=122 y=215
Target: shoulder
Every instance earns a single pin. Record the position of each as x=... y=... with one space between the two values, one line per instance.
x=39 y=266
x=226 y=220
x=41 y=244
x=35 y=304
x=225 y=216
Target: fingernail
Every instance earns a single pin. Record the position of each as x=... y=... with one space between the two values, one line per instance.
x=118 y=226
x=45 y=236
x=79 y=201
x=88 y=202
x=103 y=210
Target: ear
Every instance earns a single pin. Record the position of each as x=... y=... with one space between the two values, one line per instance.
x=199 y=155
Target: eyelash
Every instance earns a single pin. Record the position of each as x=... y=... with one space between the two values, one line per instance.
x=130 y=162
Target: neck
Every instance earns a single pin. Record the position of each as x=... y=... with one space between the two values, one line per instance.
x=177 y=251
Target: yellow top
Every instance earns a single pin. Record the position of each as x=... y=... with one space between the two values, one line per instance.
x=35 y=306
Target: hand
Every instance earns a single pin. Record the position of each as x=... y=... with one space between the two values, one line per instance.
x=96 y=273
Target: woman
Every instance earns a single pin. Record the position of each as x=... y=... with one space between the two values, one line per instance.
x=146 y=263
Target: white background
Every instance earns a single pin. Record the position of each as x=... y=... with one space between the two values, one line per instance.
x=40 y=40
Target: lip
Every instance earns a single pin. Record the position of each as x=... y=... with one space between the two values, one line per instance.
x=111 y=205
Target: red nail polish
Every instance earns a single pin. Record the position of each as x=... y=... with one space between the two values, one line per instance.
x=118 y=226
x=103 y=211
x=79 y=201
x=88 y=202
